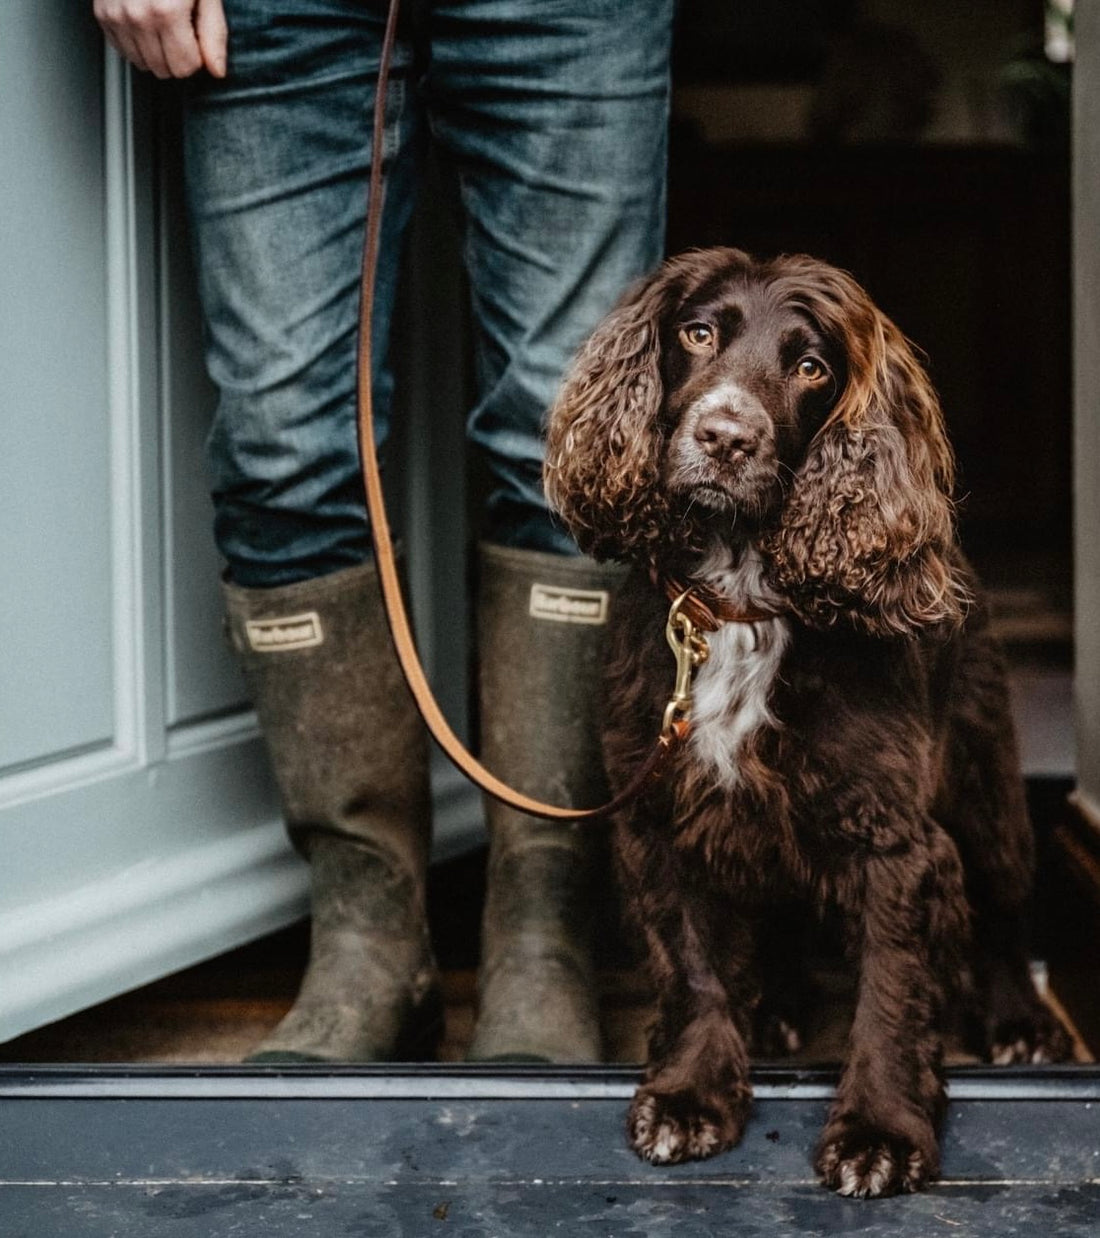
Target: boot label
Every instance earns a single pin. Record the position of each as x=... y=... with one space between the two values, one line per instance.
x=569 y=605
x=280 y=635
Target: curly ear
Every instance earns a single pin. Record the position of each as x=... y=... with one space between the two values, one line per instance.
x=604 y=434
x=867 y=531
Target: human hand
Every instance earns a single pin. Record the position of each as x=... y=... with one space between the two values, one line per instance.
x=171 y=38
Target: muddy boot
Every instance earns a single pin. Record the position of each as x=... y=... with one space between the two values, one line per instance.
x=540 y=640
x=350 y=758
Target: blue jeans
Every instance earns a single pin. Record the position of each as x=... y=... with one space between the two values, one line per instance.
x=554 y=116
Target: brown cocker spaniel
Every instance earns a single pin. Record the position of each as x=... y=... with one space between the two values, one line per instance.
x=759 y=430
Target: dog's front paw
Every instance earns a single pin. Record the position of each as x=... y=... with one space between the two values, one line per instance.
x=856 y=1159
x=665 y=1128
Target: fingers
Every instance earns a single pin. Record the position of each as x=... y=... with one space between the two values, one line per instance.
x=180 y=49
x=210 y=27
x=159 y=35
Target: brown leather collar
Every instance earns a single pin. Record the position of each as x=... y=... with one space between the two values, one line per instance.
x=705 y=607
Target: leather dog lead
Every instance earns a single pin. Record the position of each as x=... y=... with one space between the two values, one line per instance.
x=688 y=645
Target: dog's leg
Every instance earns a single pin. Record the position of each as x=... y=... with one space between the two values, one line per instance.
x=1015 y=1024
x=983 y=806
x=1010 y=1023
x=695 y=1094
x=880 y=1137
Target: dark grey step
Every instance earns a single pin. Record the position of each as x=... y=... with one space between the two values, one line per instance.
x=426 y=1151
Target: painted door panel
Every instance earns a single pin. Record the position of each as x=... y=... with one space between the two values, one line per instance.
x=139 y=826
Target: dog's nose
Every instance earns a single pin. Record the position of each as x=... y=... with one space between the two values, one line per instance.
x=724 y=435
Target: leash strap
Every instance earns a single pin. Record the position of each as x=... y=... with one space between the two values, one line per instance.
x=396 y=613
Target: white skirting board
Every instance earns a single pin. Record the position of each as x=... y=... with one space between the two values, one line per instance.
x=187 y=898
x=91 y=943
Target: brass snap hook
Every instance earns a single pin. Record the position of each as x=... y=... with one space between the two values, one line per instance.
x=690 y=649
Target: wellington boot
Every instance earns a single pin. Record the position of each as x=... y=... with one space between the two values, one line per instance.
x=541 y=635
x=350 y=758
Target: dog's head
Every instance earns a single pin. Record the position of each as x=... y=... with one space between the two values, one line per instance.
x=726 y=397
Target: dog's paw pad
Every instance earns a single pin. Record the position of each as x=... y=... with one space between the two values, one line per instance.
x=666 y=1130
x=868 y=1166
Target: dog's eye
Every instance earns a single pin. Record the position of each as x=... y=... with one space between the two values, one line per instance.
x=811 y=369
x=697 y=337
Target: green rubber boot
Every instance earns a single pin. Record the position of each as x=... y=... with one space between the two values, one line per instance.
x=350 y=759
x=541 y=634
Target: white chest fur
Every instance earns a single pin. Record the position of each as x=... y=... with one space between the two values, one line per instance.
x=733 y=687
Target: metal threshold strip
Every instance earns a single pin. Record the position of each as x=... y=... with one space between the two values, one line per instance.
x=403 y=1081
